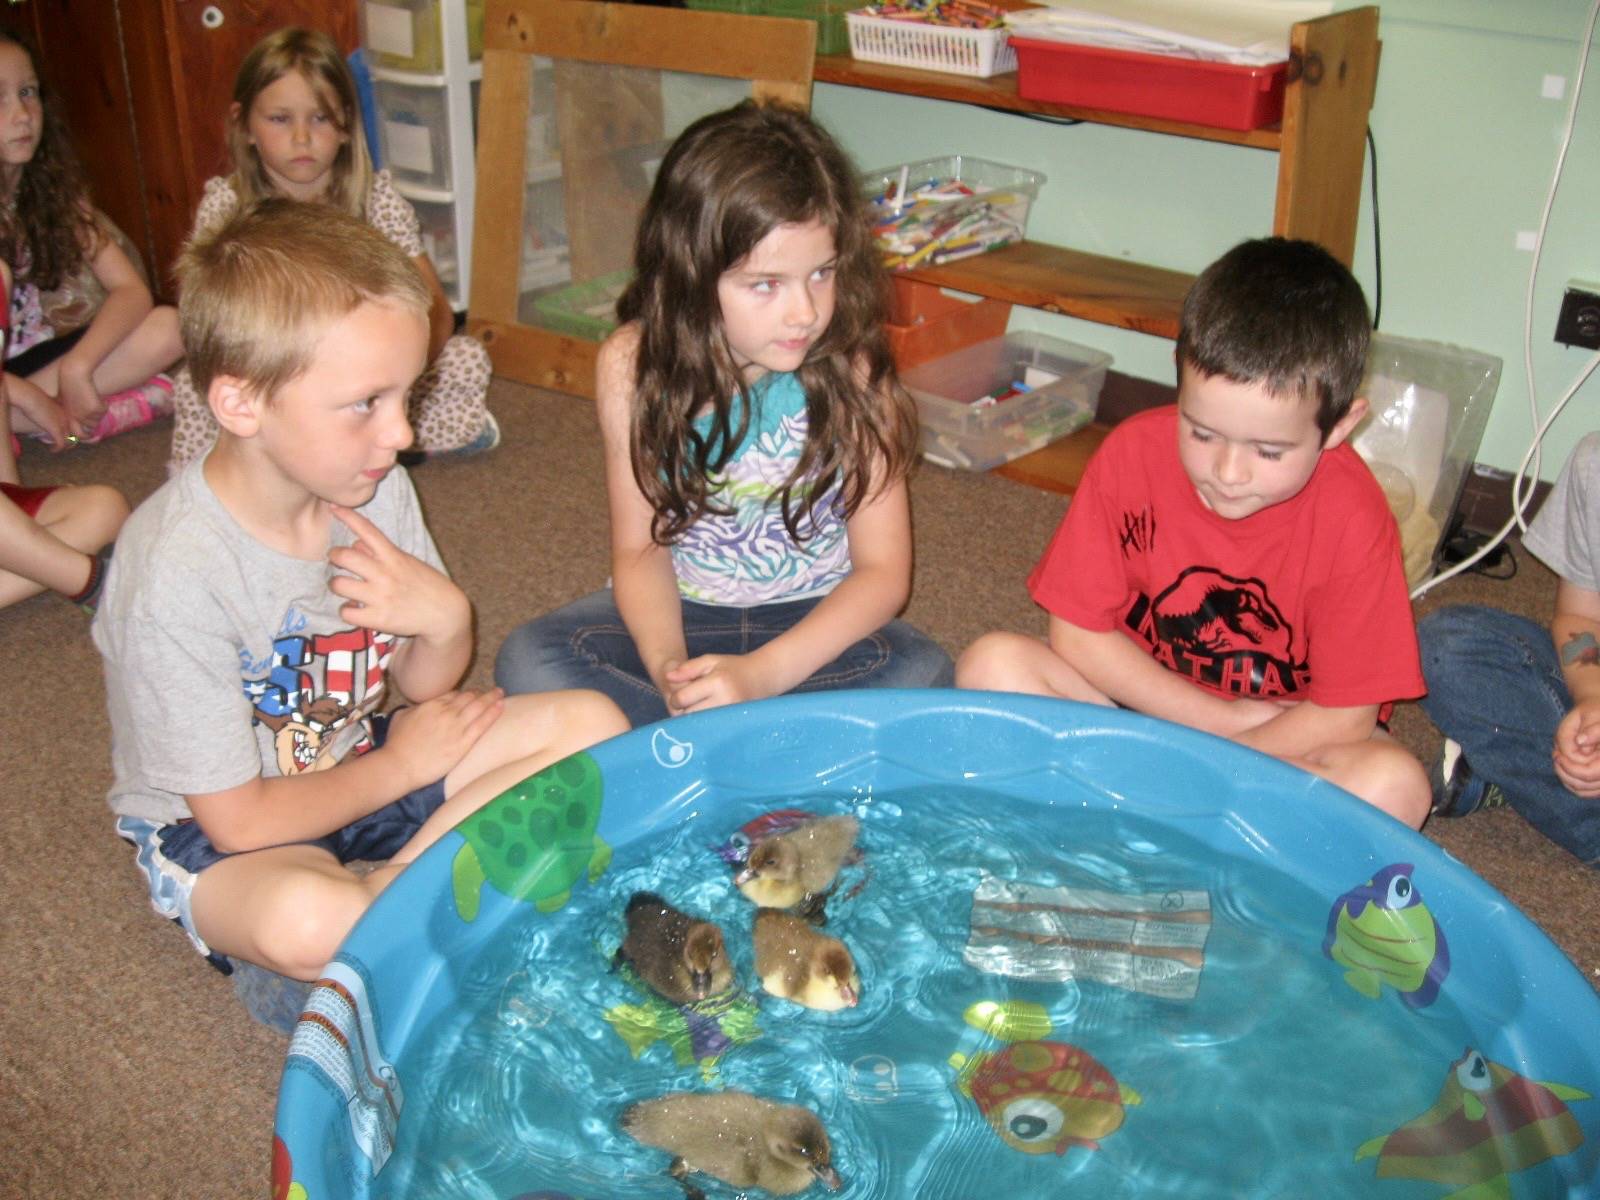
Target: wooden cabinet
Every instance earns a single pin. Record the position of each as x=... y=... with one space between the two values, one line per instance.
x=1320 y=146
x=145 y=87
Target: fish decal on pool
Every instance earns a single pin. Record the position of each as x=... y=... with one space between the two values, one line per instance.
x=699 y=1032
x=535 y=840
x=1040 y=1097
x=1382 y=932
x=283 y=1185
x=1487 y=1122
x=736 y=850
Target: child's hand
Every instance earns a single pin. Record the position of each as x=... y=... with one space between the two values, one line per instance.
x=392 y=591
x=82 y=400
x=431 y=738
x=1577 y=749
x=43 y=411
x=710 y=681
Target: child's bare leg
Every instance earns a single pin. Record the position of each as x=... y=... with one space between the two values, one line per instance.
x=1013 y=662
x=154 y=345
x=535 y=730
x=52 y=551
x=1380 y=771
x=287 y=908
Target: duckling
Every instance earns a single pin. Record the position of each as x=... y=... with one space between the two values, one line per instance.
x=679 y=956
x=743 y=1140
x=797 y=963
x=795 y=869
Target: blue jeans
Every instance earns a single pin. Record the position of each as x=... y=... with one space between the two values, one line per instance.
x=1495 y=685
x=586 y=645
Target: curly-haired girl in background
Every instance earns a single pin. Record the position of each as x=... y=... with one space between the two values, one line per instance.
x=756 y=444
x=68 y=385
x=294 y=129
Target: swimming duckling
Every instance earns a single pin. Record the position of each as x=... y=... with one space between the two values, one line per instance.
x=795 y=869
x=679 y=956
x=741 y=1139
x=797 y=963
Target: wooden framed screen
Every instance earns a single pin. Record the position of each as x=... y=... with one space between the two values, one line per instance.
x=580 y=99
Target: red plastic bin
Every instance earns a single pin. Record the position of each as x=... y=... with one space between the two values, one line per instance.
x=924 y=323
x=1223 y=95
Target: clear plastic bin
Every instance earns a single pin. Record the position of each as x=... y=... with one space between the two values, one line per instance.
x=1429 y=403
x=414 y=131
x=405 y=34
x=438 y=223
x=962 y=428
x=952 y=208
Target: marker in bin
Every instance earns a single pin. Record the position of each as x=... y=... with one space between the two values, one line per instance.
x=965 y=14
x=942 y=220
x=1032 y=378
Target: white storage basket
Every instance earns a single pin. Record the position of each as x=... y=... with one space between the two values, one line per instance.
x=948 y=48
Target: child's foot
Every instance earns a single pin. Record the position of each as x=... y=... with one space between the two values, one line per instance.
x=135 y=407
x=274 y=1000
x=487 y=439
x=89 y=598
x=1457 y=790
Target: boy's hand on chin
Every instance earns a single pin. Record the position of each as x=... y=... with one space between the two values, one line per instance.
x=392 y=591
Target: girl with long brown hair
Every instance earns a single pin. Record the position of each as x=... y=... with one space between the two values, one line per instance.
x=756 y=444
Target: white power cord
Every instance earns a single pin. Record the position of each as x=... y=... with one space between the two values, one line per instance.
x=1523 y=483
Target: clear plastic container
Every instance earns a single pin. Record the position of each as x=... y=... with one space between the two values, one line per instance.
x=414 y=131
x=438 y=223
x=1429 y=403
x=939 y=210
x=405 y=34
x=1002 y=398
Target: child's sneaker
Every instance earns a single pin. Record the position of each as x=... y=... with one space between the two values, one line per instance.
x=1457 y=790
x=135 y=407
x=488 y=438
x=274 y=1000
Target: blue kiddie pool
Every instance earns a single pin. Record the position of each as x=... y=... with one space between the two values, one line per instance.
x=1099 y=955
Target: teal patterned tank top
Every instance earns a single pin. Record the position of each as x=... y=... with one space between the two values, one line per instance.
x=748 y=557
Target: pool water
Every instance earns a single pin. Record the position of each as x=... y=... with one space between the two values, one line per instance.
x=1252 y=1068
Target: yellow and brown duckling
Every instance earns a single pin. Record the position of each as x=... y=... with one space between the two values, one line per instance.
x=795 y=962
x=681 y=957
x=796 y=869
x=743 y=1140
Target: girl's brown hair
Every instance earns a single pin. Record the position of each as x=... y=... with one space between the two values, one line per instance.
x=48 y=229
x=730 y=179
x=314 y=56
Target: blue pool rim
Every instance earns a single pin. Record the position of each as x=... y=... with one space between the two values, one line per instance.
x=852 y=744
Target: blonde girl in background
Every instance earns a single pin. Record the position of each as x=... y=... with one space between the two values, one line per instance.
x=756 y=444
x=69 y=381
x=294 y=129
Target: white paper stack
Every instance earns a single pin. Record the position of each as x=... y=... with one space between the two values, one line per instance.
x=1241 y=32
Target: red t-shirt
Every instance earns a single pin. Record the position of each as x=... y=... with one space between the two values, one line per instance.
x=1306 y=599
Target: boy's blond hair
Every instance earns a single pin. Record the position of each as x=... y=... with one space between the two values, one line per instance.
x=259 y=293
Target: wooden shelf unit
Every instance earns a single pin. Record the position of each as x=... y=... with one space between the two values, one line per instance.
x=1321 y=148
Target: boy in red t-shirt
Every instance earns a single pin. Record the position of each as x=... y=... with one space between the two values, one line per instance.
x=1229 y=563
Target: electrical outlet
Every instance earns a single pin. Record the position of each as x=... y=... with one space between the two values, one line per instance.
x=1578 y=323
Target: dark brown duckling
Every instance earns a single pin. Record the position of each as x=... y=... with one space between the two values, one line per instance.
x=681 y=957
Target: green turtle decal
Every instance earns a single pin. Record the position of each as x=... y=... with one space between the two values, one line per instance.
x=535 y=839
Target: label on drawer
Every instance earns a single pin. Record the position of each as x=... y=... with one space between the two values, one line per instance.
x=408 y=147
x=389 y=30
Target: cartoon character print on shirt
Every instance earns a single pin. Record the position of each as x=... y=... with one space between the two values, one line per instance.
x=1223 y=632
x=313 y=688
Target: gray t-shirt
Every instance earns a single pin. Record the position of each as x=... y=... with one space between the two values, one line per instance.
x=225 y=659
x=1565 y=535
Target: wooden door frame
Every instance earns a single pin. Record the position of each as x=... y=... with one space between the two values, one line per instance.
x=775 y=55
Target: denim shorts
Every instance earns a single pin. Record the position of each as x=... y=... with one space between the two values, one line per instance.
x=171 y=857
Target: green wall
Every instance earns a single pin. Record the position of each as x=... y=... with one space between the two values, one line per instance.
x=1466 y=149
